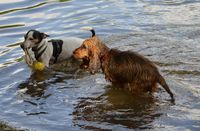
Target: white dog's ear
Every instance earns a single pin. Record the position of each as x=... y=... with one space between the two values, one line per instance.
x=44 y=35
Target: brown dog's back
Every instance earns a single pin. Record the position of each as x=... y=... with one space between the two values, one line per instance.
x=129 y=67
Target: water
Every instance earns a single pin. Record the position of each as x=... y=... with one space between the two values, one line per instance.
x=165 y=31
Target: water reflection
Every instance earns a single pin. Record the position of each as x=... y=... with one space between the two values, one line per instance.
x=38 y=82
x=35 y=86
x=116 y=107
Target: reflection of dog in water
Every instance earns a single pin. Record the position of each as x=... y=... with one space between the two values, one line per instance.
x=124 y=68
x=38 y=82
x=36 y=85
x=116 y=108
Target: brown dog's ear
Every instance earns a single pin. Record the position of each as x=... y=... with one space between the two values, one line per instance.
x=44 y=35
x=95 y=63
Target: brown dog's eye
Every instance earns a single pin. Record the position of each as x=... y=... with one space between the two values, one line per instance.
x=84 y=47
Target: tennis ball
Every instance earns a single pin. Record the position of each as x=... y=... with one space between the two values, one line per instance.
x=39 y=66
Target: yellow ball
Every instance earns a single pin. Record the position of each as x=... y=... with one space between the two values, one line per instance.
x=38 y=66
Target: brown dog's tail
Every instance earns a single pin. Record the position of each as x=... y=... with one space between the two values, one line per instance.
x=89 y=29
x=163 y=83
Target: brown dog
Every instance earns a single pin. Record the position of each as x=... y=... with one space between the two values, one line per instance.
x=124 y=68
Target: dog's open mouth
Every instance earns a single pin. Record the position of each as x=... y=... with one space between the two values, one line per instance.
x=85 y=63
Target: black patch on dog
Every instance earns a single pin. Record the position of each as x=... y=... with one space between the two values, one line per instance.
x=36 y=35
x=38 y=54
x=57 y=48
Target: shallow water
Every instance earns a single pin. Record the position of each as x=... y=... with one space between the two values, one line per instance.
x=165 y=31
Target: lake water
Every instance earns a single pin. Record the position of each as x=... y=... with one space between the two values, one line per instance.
x=165 y=31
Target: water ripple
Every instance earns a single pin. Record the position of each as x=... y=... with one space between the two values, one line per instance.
x=165 y=31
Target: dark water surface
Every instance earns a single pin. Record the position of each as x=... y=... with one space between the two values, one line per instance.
x=165 y=31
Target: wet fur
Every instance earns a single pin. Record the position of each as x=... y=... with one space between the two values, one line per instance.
x=122 y=68
x=126 y=67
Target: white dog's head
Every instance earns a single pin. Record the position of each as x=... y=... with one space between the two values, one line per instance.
x=32 y=39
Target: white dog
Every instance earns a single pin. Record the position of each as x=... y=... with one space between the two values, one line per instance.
x=50 y=50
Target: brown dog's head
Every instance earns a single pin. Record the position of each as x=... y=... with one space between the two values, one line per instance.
x=89 y=52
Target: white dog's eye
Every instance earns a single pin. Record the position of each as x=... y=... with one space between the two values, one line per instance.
x=30 y=38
